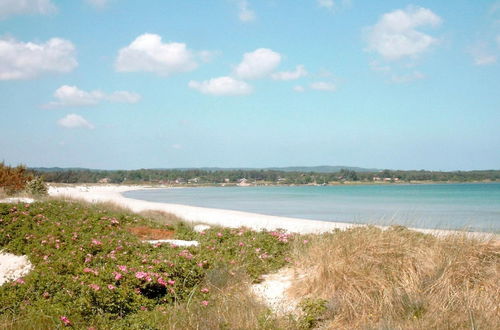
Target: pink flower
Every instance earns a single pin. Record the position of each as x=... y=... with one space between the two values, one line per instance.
x=204 y=290
x=204 y=303
x=241 y=244
x=305 y=241
x=65 y=320
x=96 y=242
x=143 y=308
x=219 y=234
x=95 y=287
x=171 y=282
x=122 y=268
x=46 y=295
x=118 y=276
x=20 y=281
x=162 y=281
x=141 y=275
x=111 y=287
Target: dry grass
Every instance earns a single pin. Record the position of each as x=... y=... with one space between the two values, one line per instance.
x=402 y=279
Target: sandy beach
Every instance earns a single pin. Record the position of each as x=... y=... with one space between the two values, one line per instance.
x=210 y=216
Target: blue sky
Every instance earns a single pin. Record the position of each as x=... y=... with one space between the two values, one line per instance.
x=122 y=84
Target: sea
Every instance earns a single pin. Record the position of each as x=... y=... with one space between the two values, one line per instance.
x=462 y=206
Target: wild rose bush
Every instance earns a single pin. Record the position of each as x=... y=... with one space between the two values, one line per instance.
x=89 y=268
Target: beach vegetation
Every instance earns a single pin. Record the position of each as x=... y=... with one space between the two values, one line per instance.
x=400 y=279
x=92 y=270
x=13 y=179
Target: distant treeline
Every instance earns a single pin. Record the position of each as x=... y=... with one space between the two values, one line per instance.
x=194 y=176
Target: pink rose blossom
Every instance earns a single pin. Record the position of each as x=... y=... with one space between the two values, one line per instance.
x=141 y=275
x=65 y=320
x=95 y=287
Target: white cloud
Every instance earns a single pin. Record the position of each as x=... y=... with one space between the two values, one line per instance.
x=148 y=53
x=245 y=14
x=99 y=4
x=484 y=59
x=20 y=60
x=17 y=7
x=222 y=86
x=323 y=86
x=395 y=36
x=299 y=89
x=299 y=72
x=72 y=96
x=123 y=97
x=74 y=121
x=258 y=64
x=482 y=54
x=176 y=146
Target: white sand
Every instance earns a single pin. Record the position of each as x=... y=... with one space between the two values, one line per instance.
x=13 y=267
x=225 y=218
x=273 y=291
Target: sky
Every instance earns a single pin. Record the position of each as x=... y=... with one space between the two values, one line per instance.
x=124 y=84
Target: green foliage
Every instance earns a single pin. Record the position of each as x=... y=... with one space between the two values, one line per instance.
x=89 y=268
x=37 y=187
x=313 y=310
x=199 y=176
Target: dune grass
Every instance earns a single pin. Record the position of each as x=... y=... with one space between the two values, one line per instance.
x=401 y=279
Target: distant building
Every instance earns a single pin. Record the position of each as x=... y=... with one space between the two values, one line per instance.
x=376 y=178
x=104 y=180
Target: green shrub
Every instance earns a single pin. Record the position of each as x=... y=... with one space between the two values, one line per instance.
x=37 y=187
x=313 y=310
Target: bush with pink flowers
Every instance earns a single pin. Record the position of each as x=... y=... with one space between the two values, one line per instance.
x=89 y=269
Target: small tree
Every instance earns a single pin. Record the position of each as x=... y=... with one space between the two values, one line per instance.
x=37 y=187
x=13 y=179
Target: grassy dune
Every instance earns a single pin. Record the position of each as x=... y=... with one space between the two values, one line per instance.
x=92 y=271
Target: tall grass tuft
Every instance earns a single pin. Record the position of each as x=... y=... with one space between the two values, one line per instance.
x=401 y=279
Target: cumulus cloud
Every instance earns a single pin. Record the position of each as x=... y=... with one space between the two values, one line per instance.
x=245 y=14
x=323 y=86
x=20 y=60
x=148 y=53
x=299 y=89
x=72 y=96
x=257 y=64
x=395 y=35
x=299 y=72
x=17 y=7
x=222 y=86
x=74 y=121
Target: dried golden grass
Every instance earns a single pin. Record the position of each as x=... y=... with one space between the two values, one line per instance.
x=402 y=279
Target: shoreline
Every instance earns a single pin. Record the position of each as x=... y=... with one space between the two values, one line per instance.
x=220 y=217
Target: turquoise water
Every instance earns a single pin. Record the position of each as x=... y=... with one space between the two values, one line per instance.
x=450 y=206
